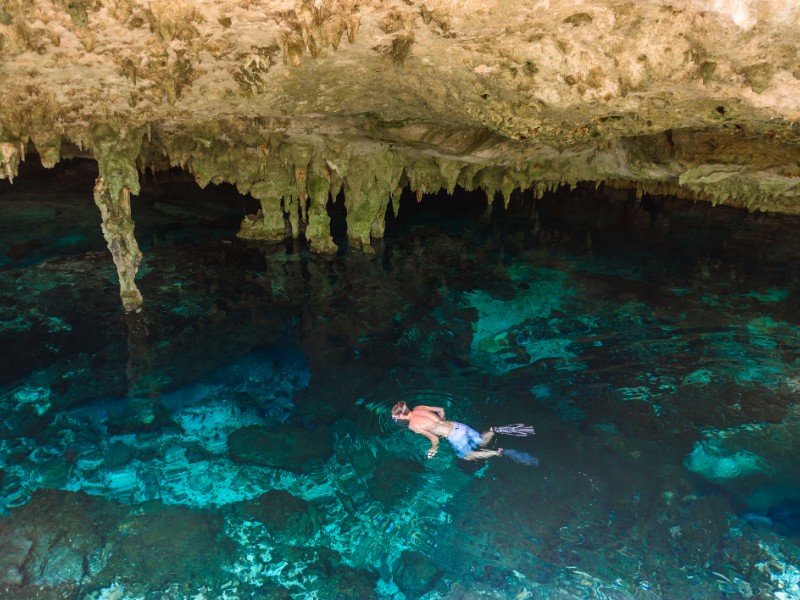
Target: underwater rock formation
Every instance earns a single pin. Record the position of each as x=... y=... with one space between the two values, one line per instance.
x=284 y=514
x=62 y=539
x=693 y=98
x=416 y=574
x=58 y=537
x=289 y=448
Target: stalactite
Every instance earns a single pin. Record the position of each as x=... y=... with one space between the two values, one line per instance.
x=506 y=189
x=115 y=209
x=10 y=156
x=275 y=195
x=368 y=188
x=359 y=215
x=268 y=224
x=318 y=229
x=450 y=171
x=293 y=210
x=48 y=147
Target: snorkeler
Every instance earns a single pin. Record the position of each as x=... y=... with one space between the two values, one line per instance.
x=430 y=422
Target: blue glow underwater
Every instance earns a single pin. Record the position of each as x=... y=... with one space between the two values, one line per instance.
x=234 y=440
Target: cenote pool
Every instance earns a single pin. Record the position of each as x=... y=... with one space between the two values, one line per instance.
x=234 y=440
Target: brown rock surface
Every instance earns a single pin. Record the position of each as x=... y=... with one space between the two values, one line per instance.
x=296 y=101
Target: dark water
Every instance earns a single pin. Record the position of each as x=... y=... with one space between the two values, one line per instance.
x=234 y=440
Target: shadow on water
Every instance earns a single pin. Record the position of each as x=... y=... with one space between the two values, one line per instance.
x=243 y=418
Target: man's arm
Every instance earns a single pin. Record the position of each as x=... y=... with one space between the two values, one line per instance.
x=433 y=438
x=434 y=409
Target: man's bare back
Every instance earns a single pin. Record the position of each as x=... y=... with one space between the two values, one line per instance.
x=429 y=419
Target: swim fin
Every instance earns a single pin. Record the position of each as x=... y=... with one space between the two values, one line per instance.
x=518 y=429
x=522 y=458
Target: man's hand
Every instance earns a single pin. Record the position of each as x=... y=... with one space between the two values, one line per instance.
x=432 y=452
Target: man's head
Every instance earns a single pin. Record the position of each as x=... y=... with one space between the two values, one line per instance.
x=400 y=411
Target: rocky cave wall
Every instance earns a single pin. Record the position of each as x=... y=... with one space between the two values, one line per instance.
x=296 y=101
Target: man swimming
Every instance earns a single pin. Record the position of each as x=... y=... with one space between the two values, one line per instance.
x=430 y=422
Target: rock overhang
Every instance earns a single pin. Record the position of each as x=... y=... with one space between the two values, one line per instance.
x=296 y=101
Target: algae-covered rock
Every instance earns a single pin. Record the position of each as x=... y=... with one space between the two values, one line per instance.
x=415 y=574
x=290 y=448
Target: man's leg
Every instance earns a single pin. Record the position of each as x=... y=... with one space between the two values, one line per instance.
x=478 y=454
x=487 y=437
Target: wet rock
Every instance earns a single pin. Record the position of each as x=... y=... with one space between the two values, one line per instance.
x=24 y=422
x=57 y=537
x=117 y=455
x=765 y=407
x=325 y=561
x=290 y=448
x=62 y=563
x=15 y=550
x=363 y=461
x=497 y=578
x=394 y=480
x=415 y=574
x=319 y=564
x=169 y=544
x=55 y=472
x=143 y=420
x=346 y=582
x=458 y=591
x=196 y=453
x=286 y=515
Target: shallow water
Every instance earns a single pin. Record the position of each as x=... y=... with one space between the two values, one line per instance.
x=235 y=441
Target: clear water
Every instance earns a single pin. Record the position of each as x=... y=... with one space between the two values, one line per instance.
x=234 y=441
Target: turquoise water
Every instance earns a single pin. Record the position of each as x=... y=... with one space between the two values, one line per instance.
x=234 y=440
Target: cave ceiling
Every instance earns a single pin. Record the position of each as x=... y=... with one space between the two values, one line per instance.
x=296 y=101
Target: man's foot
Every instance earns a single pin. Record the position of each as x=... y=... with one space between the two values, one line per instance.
x=500 y=452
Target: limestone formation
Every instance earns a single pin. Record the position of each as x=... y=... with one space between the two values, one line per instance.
x=297 y=101
x=115 y=208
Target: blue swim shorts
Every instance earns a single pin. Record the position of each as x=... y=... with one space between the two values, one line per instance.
x=464 y=439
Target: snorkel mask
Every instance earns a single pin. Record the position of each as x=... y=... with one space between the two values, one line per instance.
x=399 y=409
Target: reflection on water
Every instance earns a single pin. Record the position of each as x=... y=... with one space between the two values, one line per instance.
x=234 y=440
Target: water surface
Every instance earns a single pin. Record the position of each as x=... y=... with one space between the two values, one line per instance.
x=234 y=440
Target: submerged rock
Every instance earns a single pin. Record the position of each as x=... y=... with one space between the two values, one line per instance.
x=415 y=574
x=718 y=464
x=393 y=480
x=347 y=582
x=284 y=515
x=16 y=546
x=161 y=545
x=61 y=539
x=290 y=448
x=58 y=537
